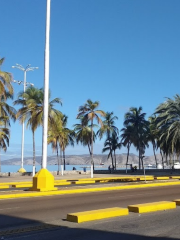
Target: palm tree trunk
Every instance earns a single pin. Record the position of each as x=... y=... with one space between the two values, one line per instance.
x=57 y=161
x=128 y=147
x=61 y=161
x=115 y=158
x=64 y=160
x=142 y=162
x=34 y=154
x=0 y=161
x=89 y=149
x=112 y=158
x=139 y=160
x=155 y=155
x=162 y=158
x=92 y=162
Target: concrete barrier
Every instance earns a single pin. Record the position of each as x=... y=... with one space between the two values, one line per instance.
x=97 y=214
x=152 y=207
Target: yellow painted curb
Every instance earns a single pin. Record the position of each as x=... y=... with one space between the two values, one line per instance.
x=145 y=178
x=4 y=187
x=177 y=201
x=175 y=177
x=161 y=178
x=86 y=190
x=152 y=207
x=96 y=214
x=13 y=183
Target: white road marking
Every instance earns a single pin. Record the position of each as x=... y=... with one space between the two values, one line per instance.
x=8 y=208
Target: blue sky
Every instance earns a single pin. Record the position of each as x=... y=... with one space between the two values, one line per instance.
x=122 y=53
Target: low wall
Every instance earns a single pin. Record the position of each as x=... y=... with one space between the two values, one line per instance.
x=141 y=172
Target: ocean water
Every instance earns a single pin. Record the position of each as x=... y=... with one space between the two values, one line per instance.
x=15 y=168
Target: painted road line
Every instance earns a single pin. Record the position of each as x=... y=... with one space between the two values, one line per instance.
x=97 y=214
x=85 y=190
x=152 y=207
x=177 y=201
x=2 y=209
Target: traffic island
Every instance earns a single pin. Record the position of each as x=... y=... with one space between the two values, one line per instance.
x=48 y=192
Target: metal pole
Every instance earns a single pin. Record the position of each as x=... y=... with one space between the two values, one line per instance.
x=22 y=146
x=46 y=87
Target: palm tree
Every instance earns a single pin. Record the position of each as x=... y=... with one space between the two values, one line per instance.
x=108 y=127
x=32 y=110
x=127 y=138
x=7 y=111
x=4 y=136
x=83 y=133
x=5 y=82
x=136 y=119
x=54 y=137
x=112 y=144
x=153 y=135
x=168 y=124
x=89 y=112
x=66 y=138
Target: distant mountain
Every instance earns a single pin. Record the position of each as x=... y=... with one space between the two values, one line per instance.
x=84 y=159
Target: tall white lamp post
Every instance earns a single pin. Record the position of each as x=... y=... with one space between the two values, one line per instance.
x=24 y=83
x=44 y=180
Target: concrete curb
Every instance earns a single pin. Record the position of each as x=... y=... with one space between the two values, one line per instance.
x=152 y=207
x=92 y=215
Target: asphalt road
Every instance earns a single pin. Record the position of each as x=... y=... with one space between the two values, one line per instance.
x=152 y=226
x=25 y=211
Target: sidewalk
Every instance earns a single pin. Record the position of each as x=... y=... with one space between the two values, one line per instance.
x=4 y=179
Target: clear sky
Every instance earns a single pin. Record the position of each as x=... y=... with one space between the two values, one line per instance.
x=123 y=53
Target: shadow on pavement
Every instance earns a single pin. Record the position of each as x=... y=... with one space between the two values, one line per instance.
x=31 y=229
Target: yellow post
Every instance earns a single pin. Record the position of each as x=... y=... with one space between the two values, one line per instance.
x=21 y=170
x=43 y=181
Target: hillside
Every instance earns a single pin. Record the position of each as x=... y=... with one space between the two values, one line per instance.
x=83 y=159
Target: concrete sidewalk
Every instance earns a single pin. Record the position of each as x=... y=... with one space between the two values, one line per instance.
x=4 y=179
